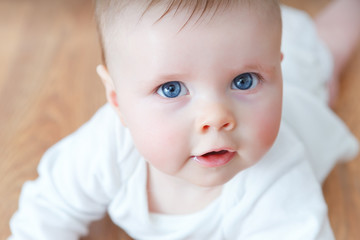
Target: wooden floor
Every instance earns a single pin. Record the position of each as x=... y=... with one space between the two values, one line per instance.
x=48 y=88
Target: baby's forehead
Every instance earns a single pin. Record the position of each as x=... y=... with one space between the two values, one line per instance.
x=117 y=19
x=134 y=11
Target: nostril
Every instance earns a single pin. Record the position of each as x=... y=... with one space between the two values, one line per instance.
x=205 y=128
x=227 y=127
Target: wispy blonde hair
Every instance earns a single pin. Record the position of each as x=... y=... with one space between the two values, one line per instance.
x=107 y=10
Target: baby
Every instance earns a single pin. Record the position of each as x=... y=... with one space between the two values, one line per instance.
x=201 y=138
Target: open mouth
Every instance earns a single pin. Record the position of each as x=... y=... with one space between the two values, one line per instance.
x=215 y=158
x=215 y=153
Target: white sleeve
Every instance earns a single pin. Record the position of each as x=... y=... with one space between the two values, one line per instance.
x=307 y=63
x=307 y=67
x=77 y=178
x=326 y=138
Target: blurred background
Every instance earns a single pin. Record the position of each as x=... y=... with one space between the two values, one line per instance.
x=48 y=88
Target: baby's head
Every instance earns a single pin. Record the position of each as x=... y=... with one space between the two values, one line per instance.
x=197 y=83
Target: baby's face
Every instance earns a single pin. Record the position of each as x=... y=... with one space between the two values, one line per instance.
x=204 y=102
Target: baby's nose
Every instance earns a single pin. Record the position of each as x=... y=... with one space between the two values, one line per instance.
x=217 y=117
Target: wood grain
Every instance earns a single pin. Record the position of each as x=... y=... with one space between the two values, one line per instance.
x=49 y=87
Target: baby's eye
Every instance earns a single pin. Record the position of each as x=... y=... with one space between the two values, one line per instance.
x=245 y=81
x=172 y=89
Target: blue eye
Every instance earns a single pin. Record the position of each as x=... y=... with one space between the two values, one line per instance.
x=245 y=81
x=172 y=89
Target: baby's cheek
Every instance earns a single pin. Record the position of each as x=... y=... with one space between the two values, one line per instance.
x=146 y=137
x=162 y=147
x=268 y=124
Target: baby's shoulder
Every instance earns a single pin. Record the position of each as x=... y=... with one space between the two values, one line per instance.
x=101 y=148
x=108 y=141
x=325 y=136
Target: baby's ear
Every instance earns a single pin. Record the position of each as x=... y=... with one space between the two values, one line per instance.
x=108 y=84
x=109 y=88
x=281 y=56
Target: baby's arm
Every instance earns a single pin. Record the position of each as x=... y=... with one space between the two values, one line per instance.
x=70 y=191
x=339 y=27
x=54 y=206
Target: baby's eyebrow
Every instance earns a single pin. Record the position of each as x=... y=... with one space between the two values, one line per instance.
x=267 y=69
x=167 y=77
x=162 y=77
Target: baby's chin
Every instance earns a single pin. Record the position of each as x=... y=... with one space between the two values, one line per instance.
x=216 y=177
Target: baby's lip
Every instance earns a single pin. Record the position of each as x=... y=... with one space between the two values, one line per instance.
x=216 y=158
x=215 y=151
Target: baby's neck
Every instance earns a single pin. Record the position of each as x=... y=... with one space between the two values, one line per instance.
x=170 y=195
